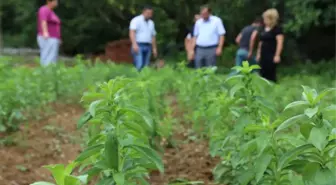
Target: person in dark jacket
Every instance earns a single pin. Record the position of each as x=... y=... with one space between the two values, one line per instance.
x=246 y=41
x=270 y=45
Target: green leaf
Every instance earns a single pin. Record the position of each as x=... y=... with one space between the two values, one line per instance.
x=235 y=89
x=92 y=150
x=318 y=137
x=296 y=104
x=235 y=77
x=90 y=97
x=71 y=180
x=84 y=119
x=112 y=152
x=305 y=129
x=83 y=178
x=57 y=172
x=93 y=107
x=261 y=165
x=151 y=155
x=287 y=157
x=145 y=115
x=119 y=178
x=291 y=121
x=331 y=108
x=254 y=128
x=311 y=112
x=42 y=183
x=246 y=177
x=323 y=94
x=68 y=170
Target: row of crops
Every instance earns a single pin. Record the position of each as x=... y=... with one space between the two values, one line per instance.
x=263 y=133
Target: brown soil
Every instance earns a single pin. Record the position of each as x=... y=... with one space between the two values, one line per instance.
x=190 y=161
x=51 y=140
x=54 y=140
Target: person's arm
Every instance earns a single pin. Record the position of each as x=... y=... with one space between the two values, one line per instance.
x=252 y=41
x=279 y=46
x=238 y=38
x=259 y=51
x=221 y=32
x=132 y=31
x=154 y=46
x=195 y=35
x=45 y=31
x=44 y=15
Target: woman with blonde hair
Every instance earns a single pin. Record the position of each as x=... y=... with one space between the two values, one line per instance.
x=270 y=45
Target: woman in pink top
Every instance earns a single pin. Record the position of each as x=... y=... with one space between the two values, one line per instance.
x=49 y=33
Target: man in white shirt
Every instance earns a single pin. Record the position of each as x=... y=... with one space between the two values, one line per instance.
x=142 y=35
x=208 y=39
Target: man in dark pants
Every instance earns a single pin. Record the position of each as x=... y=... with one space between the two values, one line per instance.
x=188 y=44
x=208 y=38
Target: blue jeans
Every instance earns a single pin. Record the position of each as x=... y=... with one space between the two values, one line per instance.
x=142 y=57
x=242 y=55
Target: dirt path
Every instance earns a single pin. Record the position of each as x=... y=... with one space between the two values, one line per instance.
x=49 y=141
x=55 y=140
x=190 y=161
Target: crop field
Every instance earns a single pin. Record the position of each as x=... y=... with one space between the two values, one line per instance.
x=107 y=124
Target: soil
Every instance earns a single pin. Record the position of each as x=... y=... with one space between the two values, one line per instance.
x=51 y=140
x=55 y=140
x=190 y=161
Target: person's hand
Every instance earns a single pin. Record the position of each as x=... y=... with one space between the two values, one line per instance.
x=135 y=48
x=276 y=59
x=45 y=35
x=191 y=55
x=258 y=58
x=155 y=54
x=249 y=56
x=218 y=51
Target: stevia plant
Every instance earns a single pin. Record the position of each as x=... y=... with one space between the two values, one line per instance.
x=277 y=157
x=119 y=150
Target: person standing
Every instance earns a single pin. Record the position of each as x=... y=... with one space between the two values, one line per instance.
x=270 y=45
x=208 y=39
x=246 y=40
x=188 y=44
x=49 y=33
x=142 y=35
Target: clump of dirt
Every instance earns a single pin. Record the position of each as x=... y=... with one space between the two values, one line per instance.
x=52 y=140
x=189 y=161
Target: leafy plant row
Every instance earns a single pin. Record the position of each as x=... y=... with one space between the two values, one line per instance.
x=240 y=115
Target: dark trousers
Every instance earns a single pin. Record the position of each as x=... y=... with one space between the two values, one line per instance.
x=268 y=68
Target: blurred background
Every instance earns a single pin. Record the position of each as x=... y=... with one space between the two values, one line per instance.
x=89 y=25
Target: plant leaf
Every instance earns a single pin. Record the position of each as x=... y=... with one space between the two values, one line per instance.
x=235 y=89
x=305 y=129
x=93 y=107
x=318 y=137
x=119 y=178
x=296 y=104
x=84 y=119
x=323 y=94
x=92 y=150
x=145 y=115
x=246 y=177
x=151 y=155
x=42 y=183
x=57 y=172
x=287 y=157
x=310 y=112
x=261 y=165
x=71 y=180
x=112 y=152
x=291 y=121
